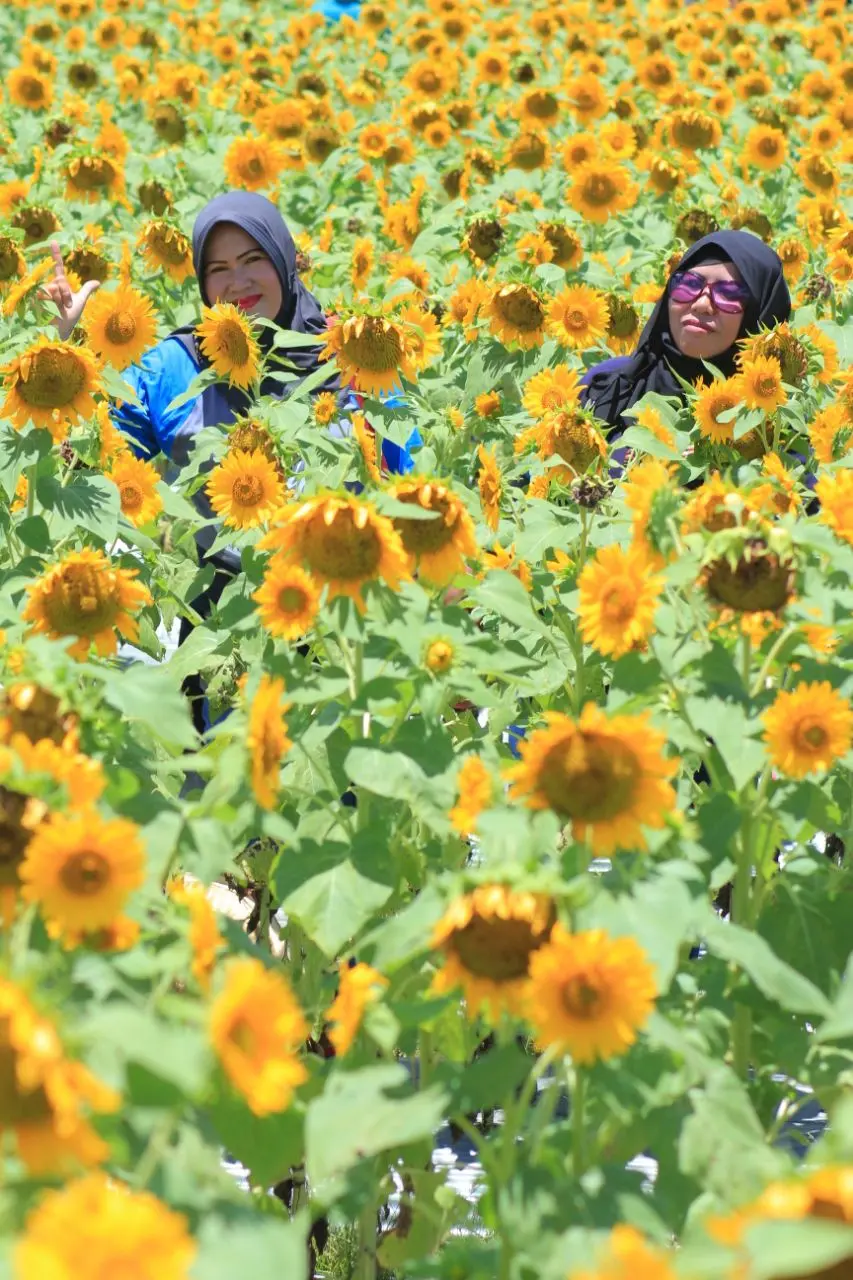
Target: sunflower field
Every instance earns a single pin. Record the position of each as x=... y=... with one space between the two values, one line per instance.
x=525 y=813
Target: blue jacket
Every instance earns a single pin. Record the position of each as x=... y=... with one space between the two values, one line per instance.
x=332 y=10
x=163 y=374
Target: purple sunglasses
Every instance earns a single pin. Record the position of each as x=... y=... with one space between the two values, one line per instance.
x=726 y=295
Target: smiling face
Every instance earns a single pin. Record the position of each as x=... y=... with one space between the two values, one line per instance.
x=698 y=329
x=237 y=270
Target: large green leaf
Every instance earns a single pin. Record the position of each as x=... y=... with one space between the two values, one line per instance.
x=268 y=1146
x=361 y=1113
x=331 y=903
x=774 y=978
x=150 y=696
x=87 y=502
x=259 y=1248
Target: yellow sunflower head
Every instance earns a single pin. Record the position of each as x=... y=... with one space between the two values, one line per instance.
x=165 y=248
x=120 y=326
x=86 y=596
x=487 y=939
x=245 y=489
x=618 y=598
x=229 y=345
x=607 y=775
x=359 y=986
x=807 y=729
x=342 y=542
x=578 y=317
x=137 y=482
x=267 y=739
x=372 y=351
x=288 y=600
x=517 y=315
x=436 y=547
x=51 y=384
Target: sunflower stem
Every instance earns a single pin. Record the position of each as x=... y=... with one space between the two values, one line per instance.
x=769 y=660
x=366 y=1265
x=745 y=661
x=578 y=1100
x=30 y=473
x=741 y=1033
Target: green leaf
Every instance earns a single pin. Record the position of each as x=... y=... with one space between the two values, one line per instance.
x=151 y=696
x=773 y=977
x=268 y=1146
x=332 y=904
x=87 y=502
x=722 y=1144
x=34 y=533
x=262 y=1248
x=503 y=594
x=812 y=1247
x=178 y=1055
x=361 y=1113
x=839 y=1024
x=20 y=449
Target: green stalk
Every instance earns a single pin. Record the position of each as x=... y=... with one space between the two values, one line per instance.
x=366 y=1264
x=578 y=1099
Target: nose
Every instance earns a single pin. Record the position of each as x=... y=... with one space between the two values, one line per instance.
x=703 y=303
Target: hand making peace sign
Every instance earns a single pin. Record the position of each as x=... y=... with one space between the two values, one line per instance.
x=69 y=305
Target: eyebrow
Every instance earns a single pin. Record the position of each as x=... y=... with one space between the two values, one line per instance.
x=220 y=262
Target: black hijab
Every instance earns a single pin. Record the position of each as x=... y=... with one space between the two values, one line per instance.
x=656 y=359
x=300 y=311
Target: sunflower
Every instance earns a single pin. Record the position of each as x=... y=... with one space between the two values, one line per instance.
x=437 y=547
x=490 y=484
x=528 y=151
x=120 y=326
x=607 y=774
x=362 y=262
x=165 y=248
x=488 y=404
x=618 y=598
x=578 y=150
x=587 y=97
x=578 y=317
x=505 y=558
x=628 y=1256
x=372 y=351
x=227 y=342
x=252 y=164
x=359 y=986
x=27 y=88
x=288 y=600
x=749 y=571
x=93 y=177
x=765 y=148
x=807 y=729
x=267 y=739
x=759 y=384
x=421 y=336
x=551 y=390
x=84 y=595
x=487 y=939
x=715 y=505
x=44 y=1093
x=136 y=482
x=566 y=245
x=343 y=543
x=35 y=713
x=12 y=264
x=205 y=939
x=589 y=993
x=598 y=190
x=516 y=315
x=81 y=868
x=438 y=656
x=97 y=1226
x=713 y=400
x=570 y=434
x=245 y=489
x=830 y=433
x=51 y=384
x=819 y=175
x=257 y=1029
x=325 y=407
x=20 y=816
x=476 y=788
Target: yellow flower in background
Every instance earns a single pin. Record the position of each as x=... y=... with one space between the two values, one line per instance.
x=205 y=939
x=486 y=939
x=589 y=993
x=439 y=656
x=228 y=343
x=606 y=774
x=835 y=495
x=516 y=315
x=476 y=787
x=808 y=728
x=136 y=481
x=490 y=484
x=165 y=248
x=342 y=542
x=830 y=433
x=252 y=164
x=765 y=148
x=96 y=1227
x=85 y=596
x=627 y=1255
x=599 y=190
x=51 y=385
x=257 y=1031
x=325 y=407
x=618 y=598
x=487 y=405
x=289 y=600
x=578 y=317
x=120 y=325
x=245 y=489
x=820 y=1195
x=267 y=740
x=81 y=869
x=46 y=1095
x=359 y=986
x=436 y=547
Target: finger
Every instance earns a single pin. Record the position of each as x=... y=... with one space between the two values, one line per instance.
x=65 y=296
x=90 y=287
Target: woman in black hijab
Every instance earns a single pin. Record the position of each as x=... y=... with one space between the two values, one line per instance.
x=727 y=286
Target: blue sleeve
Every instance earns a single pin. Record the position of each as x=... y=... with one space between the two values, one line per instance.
x=397 y=458
x=163 y=373
x=611 y=365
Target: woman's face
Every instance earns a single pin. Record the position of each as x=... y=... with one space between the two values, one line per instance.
x=698 y=328
x=237 y=270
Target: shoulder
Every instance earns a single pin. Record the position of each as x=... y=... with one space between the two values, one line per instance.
x=170 y=358
x=615 y=364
